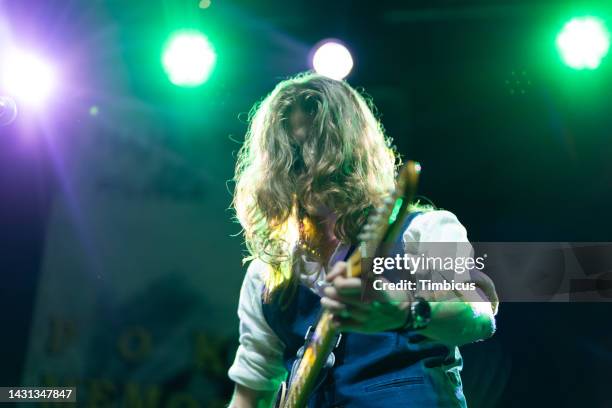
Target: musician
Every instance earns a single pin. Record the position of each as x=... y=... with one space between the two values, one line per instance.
x=314 y=163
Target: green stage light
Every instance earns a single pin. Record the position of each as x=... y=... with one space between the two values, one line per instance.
x=583 y=42
x=188 y=58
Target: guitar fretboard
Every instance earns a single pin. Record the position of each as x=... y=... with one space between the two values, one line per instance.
x=384 y=224
x=318 y=349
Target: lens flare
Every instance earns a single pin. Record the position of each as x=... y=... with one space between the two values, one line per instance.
x=8 y=110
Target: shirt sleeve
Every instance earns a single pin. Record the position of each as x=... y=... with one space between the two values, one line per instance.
x=440 y=234
x=258 y=364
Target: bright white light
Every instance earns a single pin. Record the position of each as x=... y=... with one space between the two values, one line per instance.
x=583 y=42
x=188 y=58
x=27 y=77
x=333 y=60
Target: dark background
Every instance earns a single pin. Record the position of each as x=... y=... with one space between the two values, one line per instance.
x=513 y=142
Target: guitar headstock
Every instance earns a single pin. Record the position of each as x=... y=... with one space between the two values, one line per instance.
x=384 y=222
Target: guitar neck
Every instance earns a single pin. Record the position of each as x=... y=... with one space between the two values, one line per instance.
x=384 y=225
x=318 y=349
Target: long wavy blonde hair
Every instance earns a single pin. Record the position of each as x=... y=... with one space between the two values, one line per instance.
x=345 y=163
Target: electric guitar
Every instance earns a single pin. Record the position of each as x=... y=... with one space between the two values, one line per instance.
x=382 y=227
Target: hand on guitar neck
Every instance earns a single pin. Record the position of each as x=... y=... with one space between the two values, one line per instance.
x=351 y=313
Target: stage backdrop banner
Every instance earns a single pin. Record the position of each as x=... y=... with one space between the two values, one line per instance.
x=140 y=278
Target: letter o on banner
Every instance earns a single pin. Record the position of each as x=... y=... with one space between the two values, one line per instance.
x=135 y=344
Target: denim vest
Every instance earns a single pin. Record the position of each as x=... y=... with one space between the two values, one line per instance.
x=388 y=369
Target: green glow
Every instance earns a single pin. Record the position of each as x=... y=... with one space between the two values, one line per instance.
x=188 y=58
x=583 y=42
x=396 y=210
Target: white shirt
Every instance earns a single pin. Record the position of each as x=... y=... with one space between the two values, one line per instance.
x=258 y=364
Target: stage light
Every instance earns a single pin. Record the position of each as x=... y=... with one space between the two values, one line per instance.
x=583 y=42
x=332 y=59
x=188 y=58
x=27 y=77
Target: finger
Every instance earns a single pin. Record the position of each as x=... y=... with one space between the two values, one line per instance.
x=334 y=306
x=347 y=286
x=339 y=269
x=355 y=301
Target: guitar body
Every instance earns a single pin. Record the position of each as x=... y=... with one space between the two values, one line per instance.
x=383 y=226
